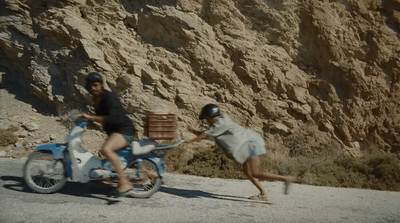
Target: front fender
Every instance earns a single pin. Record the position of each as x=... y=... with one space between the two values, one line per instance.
x=56 y=149
x=159 y=161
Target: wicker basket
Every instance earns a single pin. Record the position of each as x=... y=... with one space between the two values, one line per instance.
x=162 y=126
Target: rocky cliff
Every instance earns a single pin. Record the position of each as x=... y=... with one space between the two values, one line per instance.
x=309 y=75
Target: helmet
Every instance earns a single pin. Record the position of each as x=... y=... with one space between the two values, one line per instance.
x=209 y=110
x=93 y=77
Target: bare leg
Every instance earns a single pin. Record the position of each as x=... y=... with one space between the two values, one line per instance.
x=247 y=171
x=252 y=169
x=113 y=143
x=255 y=168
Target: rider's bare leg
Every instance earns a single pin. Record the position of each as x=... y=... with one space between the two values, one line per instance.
x=113 y=143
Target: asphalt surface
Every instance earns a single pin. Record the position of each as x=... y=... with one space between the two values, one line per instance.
x=186 y=198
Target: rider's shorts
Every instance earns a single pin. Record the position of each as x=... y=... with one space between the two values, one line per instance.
x=128 y=139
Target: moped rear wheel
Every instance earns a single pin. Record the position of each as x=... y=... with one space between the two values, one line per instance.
x=44 y=174
x=145 y=178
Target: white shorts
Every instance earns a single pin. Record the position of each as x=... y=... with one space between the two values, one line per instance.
x=257 y=147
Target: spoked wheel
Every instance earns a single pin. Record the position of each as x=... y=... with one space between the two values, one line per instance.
x=44 y=174
x=144 y=176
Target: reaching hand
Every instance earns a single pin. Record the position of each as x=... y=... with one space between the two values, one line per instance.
x=85 y=115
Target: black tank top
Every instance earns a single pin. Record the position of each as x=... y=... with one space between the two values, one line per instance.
x=116 y=119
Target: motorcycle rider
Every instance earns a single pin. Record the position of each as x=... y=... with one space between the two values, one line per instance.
x=119 y=128
x=239 y=143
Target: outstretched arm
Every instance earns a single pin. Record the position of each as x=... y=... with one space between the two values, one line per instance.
x=198 y=138
x=200 y=135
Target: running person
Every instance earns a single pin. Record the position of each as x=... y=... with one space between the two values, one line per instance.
x=239 y=143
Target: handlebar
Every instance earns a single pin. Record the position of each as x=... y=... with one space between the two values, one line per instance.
x=81 y=122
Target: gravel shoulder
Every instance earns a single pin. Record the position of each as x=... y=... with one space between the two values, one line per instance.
x=185 y=198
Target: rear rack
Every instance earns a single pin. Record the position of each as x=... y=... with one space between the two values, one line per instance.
x=170 y=146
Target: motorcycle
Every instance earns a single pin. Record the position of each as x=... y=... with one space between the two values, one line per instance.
x=49 y=168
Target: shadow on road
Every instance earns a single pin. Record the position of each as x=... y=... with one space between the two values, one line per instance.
x=89 y=190
x=198 y=193
x=98 y=190
x=17 y=186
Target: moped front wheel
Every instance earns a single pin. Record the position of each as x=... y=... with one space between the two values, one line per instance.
x=44 y=174
x=145 y=178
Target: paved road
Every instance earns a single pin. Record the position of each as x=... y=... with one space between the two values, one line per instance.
x=192 y=199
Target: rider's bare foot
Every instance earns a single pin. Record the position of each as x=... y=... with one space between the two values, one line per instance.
x=124 y=187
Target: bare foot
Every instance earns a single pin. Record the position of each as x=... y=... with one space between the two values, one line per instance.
x=260 y=197
x=124 y=187
x=288 y=182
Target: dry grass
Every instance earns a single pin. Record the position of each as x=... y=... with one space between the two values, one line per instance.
x=380 y=171
x=7 y=136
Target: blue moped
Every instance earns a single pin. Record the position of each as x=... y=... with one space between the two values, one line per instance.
x=49 y=168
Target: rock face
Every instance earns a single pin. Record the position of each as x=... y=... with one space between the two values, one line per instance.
x=325 y=72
